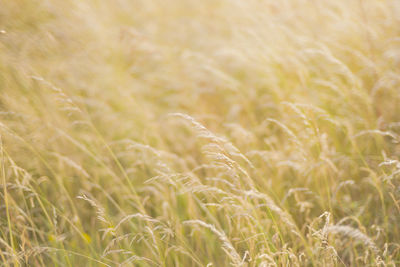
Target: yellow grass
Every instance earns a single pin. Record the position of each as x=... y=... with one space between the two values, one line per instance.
x=200 y=133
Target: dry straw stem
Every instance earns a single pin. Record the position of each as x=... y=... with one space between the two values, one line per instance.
x=226 y=244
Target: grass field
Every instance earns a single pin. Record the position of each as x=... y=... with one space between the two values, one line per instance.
x=200 y=133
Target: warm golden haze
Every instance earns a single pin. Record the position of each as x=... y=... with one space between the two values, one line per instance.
x=200 y=133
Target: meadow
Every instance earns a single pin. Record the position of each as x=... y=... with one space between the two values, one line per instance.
x=199 y=133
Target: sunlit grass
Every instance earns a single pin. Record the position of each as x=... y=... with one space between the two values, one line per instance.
x=200 y=133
